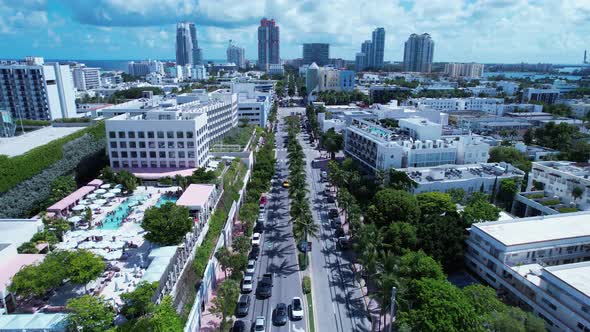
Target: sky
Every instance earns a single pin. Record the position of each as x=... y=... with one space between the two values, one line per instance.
x=487 y=31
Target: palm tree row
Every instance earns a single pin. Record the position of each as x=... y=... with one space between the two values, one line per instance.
x=300 y=212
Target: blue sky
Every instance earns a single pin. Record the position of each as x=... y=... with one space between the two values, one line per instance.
x=463 y=30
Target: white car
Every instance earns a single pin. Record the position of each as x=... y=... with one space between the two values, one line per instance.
x=256 y=239
x=261 y=218
x=251 y=267
x=259 y=324
x=296 y=308
x=247 y=284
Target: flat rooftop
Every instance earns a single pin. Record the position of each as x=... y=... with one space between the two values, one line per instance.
x=460 y=172
x=17 y=145
x=570 y=167
x=196 y=195
x=576 y=275
x=538 y=229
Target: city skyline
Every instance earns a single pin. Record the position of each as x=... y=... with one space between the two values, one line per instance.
x=466 y=31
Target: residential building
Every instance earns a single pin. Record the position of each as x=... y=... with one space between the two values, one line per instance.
x=184 y=44
x=483 y=91
x=327 y=78
x=501 y=109
x=316 y=52
x=540 y=263
x=509 y=88
x=563 y=86
x=276 y=69
x=378 y=44
x=268 y=44
x=32 y=89
x=379 y=148
x=467 y=70
x=359 y=61
x=547 y=96
x=393 y=111
x=566 y=180
x=418 y=53
x=236 y=55
x=455 y=104
x=138 y=69
x=198 y=72
x=483 y=177
x=580 y=107
x=197 y=52
x=253 y=106
x=86 y=78
x=367 y=49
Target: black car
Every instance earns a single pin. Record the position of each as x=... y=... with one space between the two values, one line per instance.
x=279 y=316
x=333 y=213
x=334 y=222
x=264 y=287
x=339 y=231
x=243 y=306
x=239 y=326
x=254 y=253
x=259 y=227
x=330 y=199
x=344 y=243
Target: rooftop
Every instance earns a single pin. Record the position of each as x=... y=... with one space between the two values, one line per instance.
x=576 y=275
x=11 y=265
x=196 y=195
x=18 y=231
x=538 y=229
x=17 y=145
x=35 y=322
x=570 y=167
x=461 y=172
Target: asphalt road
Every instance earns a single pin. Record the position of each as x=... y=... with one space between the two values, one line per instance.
x=278 y=251
x=337 y=297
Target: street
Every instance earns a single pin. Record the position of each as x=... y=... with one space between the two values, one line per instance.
x=278 y=251
x=337 y=296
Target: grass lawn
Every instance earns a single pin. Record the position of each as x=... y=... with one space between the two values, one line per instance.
x=310 y=312
x=239 y=135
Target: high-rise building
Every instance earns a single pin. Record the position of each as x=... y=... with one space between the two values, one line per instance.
x=418 y=53
x=184 y=43
x=316 y=52
x=86 y=78
x=470 y=70
x=359 y=61
x=268 y=44
x=378 y=43
x=197 y=52
x=367 y=49
x=236 y=55
x=32 y=89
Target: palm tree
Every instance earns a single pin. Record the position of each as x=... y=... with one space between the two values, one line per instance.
x=304 y=227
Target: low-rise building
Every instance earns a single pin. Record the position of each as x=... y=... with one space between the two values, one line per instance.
x=393 y=111
x=318 y=79
x=454 y=104
x=540 y=263
x=569 y=181
x=253 y=105
x=547 y=96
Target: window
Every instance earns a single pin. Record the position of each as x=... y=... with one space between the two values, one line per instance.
x=150 y=134
x=141 y=134
x=160 y=134
x=189 y=134
x=153 y=164
x=144 y=164
x=162 y=154
x=191 y=154
x=134 y=164
x=180 y=154
x=133 y=154
x=179 y=134
x=142 y=145
x=162 y=164
x=170 y=145
x=180 y=145
x=143 y=154
x=161 y=145
x=113 y=145
x=181 y=164
x=121 y=134
x=132 y=145
x=131 y=134
x=190 y=145
x=171 y=154
x=123 y=145
x=115 y=164
x=152 y=145
x=112 y=134
x=172 y=164
x=152 y=154
x=170 y=134
x=114 y=154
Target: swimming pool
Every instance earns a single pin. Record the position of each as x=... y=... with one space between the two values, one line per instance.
x=165 y=199
x=114 y=220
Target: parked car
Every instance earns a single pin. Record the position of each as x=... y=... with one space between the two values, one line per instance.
x=333 y=213
x=279 y=317
x=251 y=267
x=259 y=227
x=256 y=238
x=259 y=324
x=264 y=287
x=254 y=253
x=330 y=199
x=285 y=184
x=243 y=305
x=247 y=284
x=335 y=222
x=260 y=218
x=296 y=308
x=239 y=326
x=344 y=243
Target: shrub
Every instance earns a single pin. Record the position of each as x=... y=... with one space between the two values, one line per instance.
x=567 y=209
x=306 y=285
x=550 y=202
x=302 y=261
x=73 y=120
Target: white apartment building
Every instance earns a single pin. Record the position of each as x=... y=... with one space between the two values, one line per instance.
x=379 y=148
x=393 y=111
x=508 y=87
x=469 y=70
x=253 y=106
x=483 y=91
x=199 y=72
x=470 y=178
x=560 y=178
x=540 y=262
x=31 y=89
x=454 y=104
x=164 y=139
x=86 y=78
x=547 y=96
x=501 y=109
x=276 y=69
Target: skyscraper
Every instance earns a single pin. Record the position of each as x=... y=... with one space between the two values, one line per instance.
x=268 y=44
x=418 y=52
x=197 y=52
x=316 y=52
x=235 y=54
x=367 y=50
x=378 y=43
x=184 y=44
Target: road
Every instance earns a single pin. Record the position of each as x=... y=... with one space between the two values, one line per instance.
x=337 y=297
x=278 y=251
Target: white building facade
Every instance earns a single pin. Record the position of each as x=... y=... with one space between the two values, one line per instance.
x=468 y=70
x=454 y=104
x=86 y=78
x=561 y=178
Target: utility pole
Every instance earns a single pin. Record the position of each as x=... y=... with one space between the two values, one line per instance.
x=392 y=309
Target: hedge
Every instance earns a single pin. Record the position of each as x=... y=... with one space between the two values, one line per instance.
x=17 y=169
x=33 y=123
x=306 y=285
x=550 y=202
x=302 y=261
x=567 y=209
x=73 y=120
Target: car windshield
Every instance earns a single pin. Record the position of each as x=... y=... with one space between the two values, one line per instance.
x=296 y=304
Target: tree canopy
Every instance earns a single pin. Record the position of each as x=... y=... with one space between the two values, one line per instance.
x=510 y=155
x=89 y=314
x=166 y=225
x=391 y=205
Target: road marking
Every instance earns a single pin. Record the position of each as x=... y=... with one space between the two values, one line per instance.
x=334 y=307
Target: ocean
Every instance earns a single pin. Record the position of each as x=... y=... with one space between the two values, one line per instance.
x=532 y=76
x=111 y=65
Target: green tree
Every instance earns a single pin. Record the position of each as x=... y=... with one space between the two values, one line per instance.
x=510 y=155
x=399 y=236
x=332 y=142
x=224 y=304
x=393 y=205
x=108 y=174
x=202 y=175
x=139 y=302
x=400 y=180
x=127 y=179
x=165 y=318
x=457 y=195
x=27 y=248
x=237 y=262
x=166 y=225
x=577 y=192
x=241 y=244
x=442 y=237
x=508 y=188
x=83 y=266
x=435 y=204
x=89 y=314
x=61 y=187
x=223 y=257
x=415 y=265
x=479 y=210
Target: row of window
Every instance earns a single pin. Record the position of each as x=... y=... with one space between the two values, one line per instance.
x=153 y=134
x=155 y=164
x=154 y=154
x=152 y=145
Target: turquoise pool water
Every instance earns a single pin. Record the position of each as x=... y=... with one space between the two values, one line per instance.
x=165 y=199
x=114 y=221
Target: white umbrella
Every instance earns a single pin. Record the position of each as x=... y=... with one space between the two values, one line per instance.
x=100 y=201
x=133 y=203
x=115 y=191
x=86 y=245
x=79 y=207
x=84 y=202
x=74 y=219
x=116 y=286
x=105 y=186
x=119 y=186
x=100 y=191
x=94 y=206
x=109 y=195
x=91 y=196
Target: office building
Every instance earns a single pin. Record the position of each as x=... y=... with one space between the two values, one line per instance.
x=483 y=177
x=268 y=44
x=378 y=44
x=253 y=105
x=236 y=55
x=417 y=142
x=86 y=78
x=455 y=104
x=184 y=43
x=32 y=89
x=540 y=263
x=418 y=53
x=276 y=69
x=138 y=69
x=566 y=180
x=7 y=125
x=547 y=96
x=197 y=52
x=467 y=70
x=316 y=52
